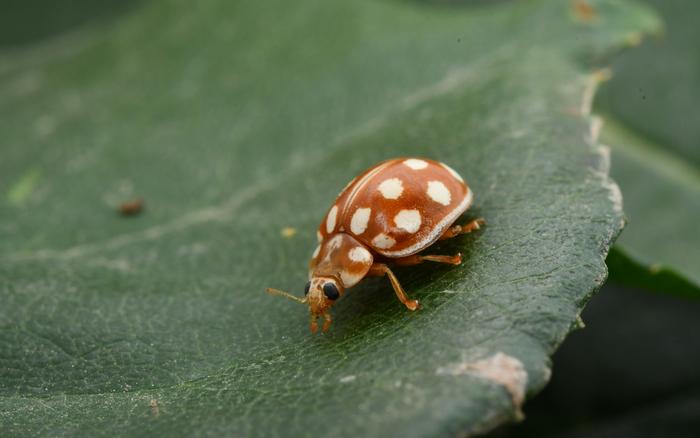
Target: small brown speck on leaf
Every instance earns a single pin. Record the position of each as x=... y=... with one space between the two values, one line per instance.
x=584 y=11
x=131 y=208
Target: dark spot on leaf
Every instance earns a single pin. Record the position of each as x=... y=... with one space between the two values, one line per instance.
x=584 y=11
x=131 y=208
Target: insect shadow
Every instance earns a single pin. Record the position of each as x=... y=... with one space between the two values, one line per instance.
x=372 y=304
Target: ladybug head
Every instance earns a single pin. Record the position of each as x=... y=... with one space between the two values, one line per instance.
x=320 y=294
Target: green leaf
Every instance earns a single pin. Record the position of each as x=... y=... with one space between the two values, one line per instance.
x=627 y=270
x=653 y=125
x=660 y=248
x=236 y=121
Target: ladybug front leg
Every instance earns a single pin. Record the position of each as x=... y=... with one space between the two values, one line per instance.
x=456 y=230
x=380 y=270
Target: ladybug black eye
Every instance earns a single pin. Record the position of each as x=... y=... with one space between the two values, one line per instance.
x=306 y=288
x=331 y=291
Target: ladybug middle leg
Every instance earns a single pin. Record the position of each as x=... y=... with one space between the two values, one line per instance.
x=456 y=230
x=416 y=259
x=380 y=270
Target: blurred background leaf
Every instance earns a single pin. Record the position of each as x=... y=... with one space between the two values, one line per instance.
x=632 y=372
x=235 y=121
x=26 y=22
x=653 y=124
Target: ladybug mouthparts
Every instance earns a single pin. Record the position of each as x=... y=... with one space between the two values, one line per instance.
x=321 y=293
x=317 y=304
x=314 y=321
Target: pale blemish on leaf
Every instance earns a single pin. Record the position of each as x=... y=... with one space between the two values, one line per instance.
x=592 y=83
x=155 y=408
x=44 y=126
x=595 y=128
x=596 y=125
x=501 y=369
x=634 y=39
x=119 y=264
x=20 y=191
x=614 y=193
x=288 y=232
x=546 y=374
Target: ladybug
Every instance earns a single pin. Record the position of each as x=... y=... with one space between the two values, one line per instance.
x=388 y=214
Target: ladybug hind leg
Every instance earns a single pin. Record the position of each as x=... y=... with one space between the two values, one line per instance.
x=380 y=270
x=456 y=230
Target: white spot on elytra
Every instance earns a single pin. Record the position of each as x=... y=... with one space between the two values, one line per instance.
x=383 y=241
x=415 y=164
x=332 y=246
x=335 y=243
x=452 y=172
x=359 y=221
x=391 y=188
x=439 y=193
x=349 y=279
x=436 y=229
x=501 y=369
x=409 y=220
x=359 y=254
x=315 y=254
x=330 y=220
x=319 y=236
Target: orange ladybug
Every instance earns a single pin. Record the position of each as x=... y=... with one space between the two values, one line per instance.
x=388 y=214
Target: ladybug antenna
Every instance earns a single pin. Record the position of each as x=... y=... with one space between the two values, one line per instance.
x=281 y=293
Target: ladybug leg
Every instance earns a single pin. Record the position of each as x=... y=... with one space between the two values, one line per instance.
x=314 y=323
x=417 y=259
x=456 y=230
x=380 y=270
x=327 y=321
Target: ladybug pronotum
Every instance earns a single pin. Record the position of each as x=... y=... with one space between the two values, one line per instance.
x=388 y=214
